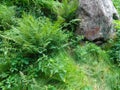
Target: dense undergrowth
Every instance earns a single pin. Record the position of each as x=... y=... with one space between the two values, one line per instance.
x=39 y=51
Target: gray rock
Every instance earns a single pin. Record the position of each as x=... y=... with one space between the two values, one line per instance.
x=96 y=19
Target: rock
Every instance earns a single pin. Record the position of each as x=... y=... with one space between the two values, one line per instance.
x=96 y=19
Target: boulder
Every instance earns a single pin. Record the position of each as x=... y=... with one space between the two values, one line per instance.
x=96 y=19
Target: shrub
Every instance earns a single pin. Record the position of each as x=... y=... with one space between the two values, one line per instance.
x=21 y=46
x=38 y=35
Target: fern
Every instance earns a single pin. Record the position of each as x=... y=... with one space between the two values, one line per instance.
x=38 y=35
x=7 y=17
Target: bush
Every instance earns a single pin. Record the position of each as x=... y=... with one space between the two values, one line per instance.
x=34 y=36
x=38 y=35
x=24 y=45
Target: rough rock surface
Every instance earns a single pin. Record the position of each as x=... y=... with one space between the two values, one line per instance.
x=96 y=19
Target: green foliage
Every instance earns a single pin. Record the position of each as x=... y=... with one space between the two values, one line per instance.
x=24 y=46
x=31 y=39
x=37 y=53
x=117 y=5
x=59 y=67
x=95 y=63
x=7 y=16
x=22 y=82
x=90 y=52
x=115 y=49
x=113 y=79
x=35 y=7
x=67 y=9
x=37 y=35
x=55 y=67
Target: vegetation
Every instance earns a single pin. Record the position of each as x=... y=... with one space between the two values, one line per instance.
x=116 y=3
x=39 y=51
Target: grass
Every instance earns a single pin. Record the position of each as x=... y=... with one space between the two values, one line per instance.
x=38 y=51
